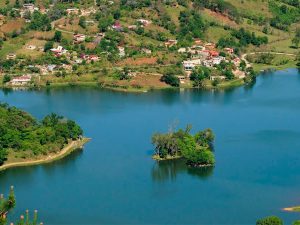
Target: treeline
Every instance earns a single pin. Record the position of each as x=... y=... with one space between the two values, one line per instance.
x=220 y=6
x=195 y=149
x=242 y=38
x=22 y=134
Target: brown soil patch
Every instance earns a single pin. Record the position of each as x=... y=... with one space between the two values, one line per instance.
x=138 y=61
x=220 y=17
x=144 y=80
x=10 y=26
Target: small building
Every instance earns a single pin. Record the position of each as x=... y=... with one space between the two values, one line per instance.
x=132 y=27
x=59 y=51
x=117 y=26
x=20 y=81
x=170 y=43
x=182 y=50
x=11 y=56
x=121 y=51
x=229 y=50
x=147 y=51
x=73 y=11
x=78 y=38
x=189 y=65
x=144 y=22
x=94 y=58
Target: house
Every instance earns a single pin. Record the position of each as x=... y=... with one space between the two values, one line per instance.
x=29 y=7
x=11 y=56
x=59 y=51
x=132 y=27
x=170 y=43
x=144 y=22
x=94 y=58
x=189 y=65
x=198 y=41
x=213 y=53
x=217 y=77
x=20 y=81
x=73 y=11
x=146 y=51
x=121 y=51
x=229 y=50
x=78 y=38
x=51 y=67
x=117 y=26
x=182 y=50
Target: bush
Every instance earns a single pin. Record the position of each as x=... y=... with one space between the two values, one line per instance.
x=170 y=79
x=270 y=220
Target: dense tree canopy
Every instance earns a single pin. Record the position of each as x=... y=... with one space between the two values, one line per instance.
x=196 y=149
x=23 y=134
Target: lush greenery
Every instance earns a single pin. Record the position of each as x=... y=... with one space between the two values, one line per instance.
x=7 y=204
x=196 y=149
x=22 y=134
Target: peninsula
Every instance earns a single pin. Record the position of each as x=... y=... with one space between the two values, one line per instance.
x=25 y=141
x=195 y=149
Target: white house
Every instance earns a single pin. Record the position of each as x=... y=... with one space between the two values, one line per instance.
x=20 y=81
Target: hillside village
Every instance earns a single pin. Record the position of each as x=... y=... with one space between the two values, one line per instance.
x=125 y=44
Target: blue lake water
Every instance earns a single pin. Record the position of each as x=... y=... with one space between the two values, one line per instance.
x=115 y=181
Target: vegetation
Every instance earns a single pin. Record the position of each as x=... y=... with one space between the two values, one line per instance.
x=7 y=204
x=195 y=149
x=271 y=220
x=22 y=135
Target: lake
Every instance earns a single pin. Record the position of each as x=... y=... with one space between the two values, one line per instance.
x=115 y=181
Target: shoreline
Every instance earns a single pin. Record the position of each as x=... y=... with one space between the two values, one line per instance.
x=225 y=85
x=69 y=148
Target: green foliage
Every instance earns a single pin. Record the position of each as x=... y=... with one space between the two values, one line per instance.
x=82 y=22
x=271 y=220
x=170 y=79
x=57 y=36
x=6 y=205
x=199 y=75
x=297 y=222
x=196 y=149
x=20 y=132
x=296 y=39
x=6 y=78
x=40 y=22
x=48 y=46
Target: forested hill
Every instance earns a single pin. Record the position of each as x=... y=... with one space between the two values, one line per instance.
x=22 y=136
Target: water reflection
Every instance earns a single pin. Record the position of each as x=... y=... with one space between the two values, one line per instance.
x=168 y=170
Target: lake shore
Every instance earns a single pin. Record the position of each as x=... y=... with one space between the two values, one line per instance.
x=259 y=69
x=70 y=147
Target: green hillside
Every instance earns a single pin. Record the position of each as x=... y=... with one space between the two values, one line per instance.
x=136 y=34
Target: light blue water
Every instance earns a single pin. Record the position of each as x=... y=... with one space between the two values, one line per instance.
x=115 y=181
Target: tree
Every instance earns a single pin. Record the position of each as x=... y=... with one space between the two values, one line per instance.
x=296 y=39
x=199 y=75
x=48 y=45
x=6 y=205
x=170 y=79
x=271 y=220
x=6 y=78
x=82 y=22
x=57 y=36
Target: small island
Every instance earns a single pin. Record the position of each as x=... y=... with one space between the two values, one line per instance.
x=26 y=141
x=196 y=149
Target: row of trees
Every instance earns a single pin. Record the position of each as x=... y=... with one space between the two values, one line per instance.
x=196 y=149
x=21 y=133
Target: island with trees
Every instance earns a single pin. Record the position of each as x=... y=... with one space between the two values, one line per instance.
x=27 y=141
x=196 y=149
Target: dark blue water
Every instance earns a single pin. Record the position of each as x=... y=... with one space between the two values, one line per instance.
x=115 y=181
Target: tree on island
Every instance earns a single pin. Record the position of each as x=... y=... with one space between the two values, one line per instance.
x=196 y=149
x=270 y=220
